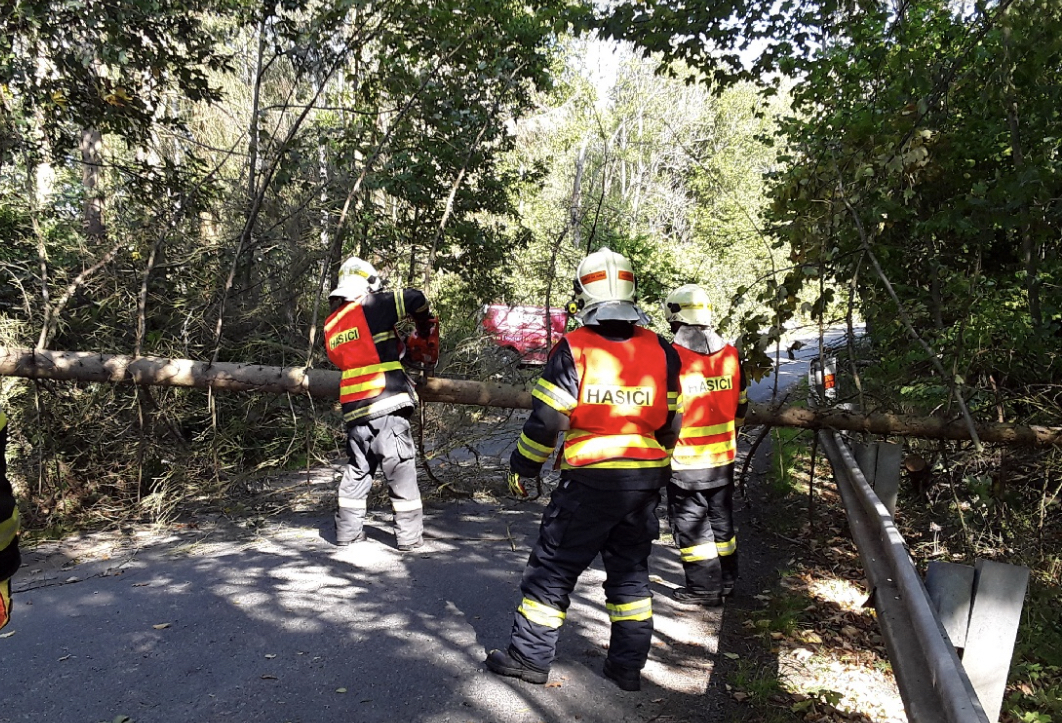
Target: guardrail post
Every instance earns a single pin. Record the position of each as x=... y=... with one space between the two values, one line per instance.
x=887 y=474
x=998 y=595
x=866 y=456
x=880 y=464
x=980 y=608
x=950 y=587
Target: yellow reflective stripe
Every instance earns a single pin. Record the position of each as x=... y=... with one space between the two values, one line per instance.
x=5 y=603
x=533 y=450
x=727 y=548
x=3 y=420
x=400 y=303
x=371 y=369
x=384 y=336
x=376 y=382
x=349 y=308
x=638 y=610
x=349 y=503
x=406 y=505
x=597 y=445
x=541 y=614
x=620 y=464
x=674 y=401
x=705 y=450
x=743 y=398
x=688 y=432
x=555 y=397
x=8 y=529
x=696 y=553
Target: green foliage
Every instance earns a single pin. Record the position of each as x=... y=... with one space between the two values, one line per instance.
x=112 y=66
x=245 y=151
x=658 y=169
x=927 y=139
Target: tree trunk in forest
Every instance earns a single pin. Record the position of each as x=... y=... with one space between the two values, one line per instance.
x=1028 y=243
x=324 y=384
x=574 y=215
x=91 y=163
x=254 y=125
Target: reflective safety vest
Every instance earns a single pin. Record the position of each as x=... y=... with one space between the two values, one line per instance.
x=711 y=392
x=623 y=399
x=350 y=347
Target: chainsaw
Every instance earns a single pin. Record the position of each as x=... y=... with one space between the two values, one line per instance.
x=420 y=353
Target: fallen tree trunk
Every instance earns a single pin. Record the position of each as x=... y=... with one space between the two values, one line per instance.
x=324 y=384
x=905 y=425
x=156 y=371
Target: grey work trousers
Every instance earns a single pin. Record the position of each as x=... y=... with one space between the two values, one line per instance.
x=384 y=443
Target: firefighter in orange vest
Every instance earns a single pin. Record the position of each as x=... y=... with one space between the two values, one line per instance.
x=700 y=493
x=9 y=556
x=377 y=399
x=612 y=387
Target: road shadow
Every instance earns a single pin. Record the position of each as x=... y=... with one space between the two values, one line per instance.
x=223 y=620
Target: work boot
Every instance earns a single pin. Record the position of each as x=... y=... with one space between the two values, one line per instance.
x=360 y=538
x=692 y=597
x=500 y=662
x=626 y=678
x=410 y=546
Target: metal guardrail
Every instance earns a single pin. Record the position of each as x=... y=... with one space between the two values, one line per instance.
x=932 y=683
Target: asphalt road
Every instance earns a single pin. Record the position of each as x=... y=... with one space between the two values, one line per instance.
x=788 y=371
x=227 y=621
x=274 y=623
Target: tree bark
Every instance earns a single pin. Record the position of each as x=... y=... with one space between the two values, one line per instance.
x=234 y=377
x=91 y=163
x=324 y=384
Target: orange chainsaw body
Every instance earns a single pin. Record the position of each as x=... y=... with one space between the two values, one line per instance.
x=422 y=352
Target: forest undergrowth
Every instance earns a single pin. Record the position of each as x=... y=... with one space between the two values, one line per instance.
x=963 y=507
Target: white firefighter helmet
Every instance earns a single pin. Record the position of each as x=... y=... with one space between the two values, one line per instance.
x=356 y=278
x=604 y=289
x=688 y=304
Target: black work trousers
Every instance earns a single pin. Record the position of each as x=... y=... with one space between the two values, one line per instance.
x=579 y=523
x=702 y=523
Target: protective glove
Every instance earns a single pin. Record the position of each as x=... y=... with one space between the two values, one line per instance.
x=5 y=603
x=518 y=485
